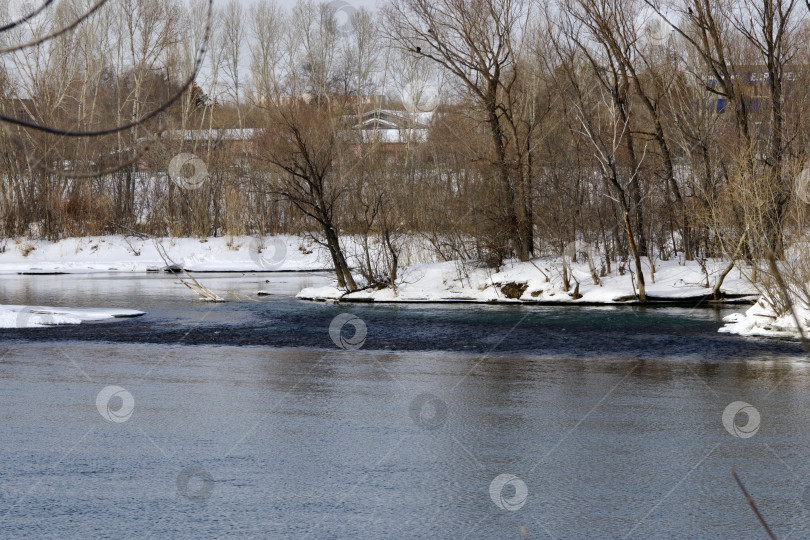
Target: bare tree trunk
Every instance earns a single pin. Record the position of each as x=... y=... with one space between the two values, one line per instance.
x=344 y=275
x=510 y=203
x=642 y=291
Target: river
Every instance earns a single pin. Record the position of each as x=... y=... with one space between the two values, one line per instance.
x=266 y=417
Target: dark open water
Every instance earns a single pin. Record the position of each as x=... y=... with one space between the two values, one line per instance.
x=245 y=419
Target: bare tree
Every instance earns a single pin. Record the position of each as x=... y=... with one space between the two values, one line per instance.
x=266 y=28
x=231 y=38
x=480 y=44
x=302 y=143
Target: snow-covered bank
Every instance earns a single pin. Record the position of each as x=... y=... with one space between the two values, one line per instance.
x=419 y=280
x=39 y=316
x=129 y=254
x=762 y=320
x=541 y=281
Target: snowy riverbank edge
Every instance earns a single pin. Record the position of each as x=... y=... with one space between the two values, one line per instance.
x=120 y=254
x=540 y=282
x=537 y=282
x=760 y=320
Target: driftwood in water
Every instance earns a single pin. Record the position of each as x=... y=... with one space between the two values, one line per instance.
x=188 y=280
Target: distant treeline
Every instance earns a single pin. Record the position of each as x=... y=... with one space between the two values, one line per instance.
x=491 y=128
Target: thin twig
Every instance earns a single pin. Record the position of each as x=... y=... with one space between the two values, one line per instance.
x=752 y=504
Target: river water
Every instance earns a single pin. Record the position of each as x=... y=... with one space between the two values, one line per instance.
x=250 y=419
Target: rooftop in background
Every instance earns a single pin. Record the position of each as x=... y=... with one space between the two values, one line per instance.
x=393 y=119
x=392 y=126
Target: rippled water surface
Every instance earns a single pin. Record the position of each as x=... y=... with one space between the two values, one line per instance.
x=248 y=421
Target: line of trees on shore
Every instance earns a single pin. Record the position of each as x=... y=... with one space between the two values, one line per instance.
x=644 y=128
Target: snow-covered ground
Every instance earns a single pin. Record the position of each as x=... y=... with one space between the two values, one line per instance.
x=541 y=281
x=761 y=320
x=129 y=254
x=39 y=316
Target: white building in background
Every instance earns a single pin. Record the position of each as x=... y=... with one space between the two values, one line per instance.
x=393 y=127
